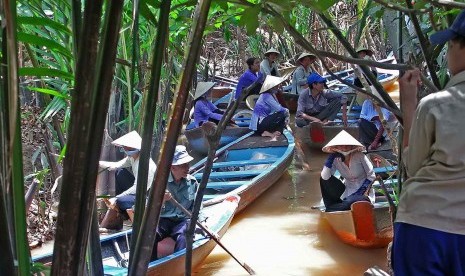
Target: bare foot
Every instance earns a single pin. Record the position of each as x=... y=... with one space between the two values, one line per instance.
x=277 y=133
x=267 y=134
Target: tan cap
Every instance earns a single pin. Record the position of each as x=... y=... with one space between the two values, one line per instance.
x=130 y=140
x=272 y=50
x=202 y=88
x=270 y=82
x=343 y=138
x=364 y=49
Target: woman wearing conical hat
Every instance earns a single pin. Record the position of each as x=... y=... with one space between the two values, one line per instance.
x=204 y=109
x=346 y=156
x=269 y=118
x=300 y=75
x=126 y=183
x=269 y=65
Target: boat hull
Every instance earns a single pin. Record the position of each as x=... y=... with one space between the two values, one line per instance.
x=303 y=134
x=253 y=164
x=115 y=247
x=363 y=226
x=199 y=143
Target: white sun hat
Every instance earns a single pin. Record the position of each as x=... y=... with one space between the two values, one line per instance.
x=305 y=55
x=130 y=140
x=181 y=156
x=343 y=139
x=270 y=82
x=202 y=88
x=272 y=50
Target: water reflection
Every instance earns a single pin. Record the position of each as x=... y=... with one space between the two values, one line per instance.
x=279 y=234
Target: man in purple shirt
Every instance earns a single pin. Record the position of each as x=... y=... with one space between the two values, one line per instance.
x=249 y=77
x=317 y=105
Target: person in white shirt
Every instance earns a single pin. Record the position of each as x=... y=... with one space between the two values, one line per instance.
x=131 y=144
x=346 y=156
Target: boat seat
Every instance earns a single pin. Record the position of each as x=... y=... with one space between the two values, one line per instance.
x=350 y=114
x=244 y=163
x=115 y=271
x=230 y=174
x=208 y=197
x=226 y=184
x=385 y=169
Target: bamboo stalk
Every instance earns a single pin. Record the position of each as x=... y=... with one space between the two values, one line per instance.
x=151 y=216
x=14 y=184
x=94 y=74
x=151 y=103
x=213 y=136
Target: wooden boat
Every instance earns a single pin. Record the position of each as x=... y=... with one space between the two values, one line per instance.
x=329 y=132
x=364 y=226
x=115 y=247
x=247 y=167
x=199 y=143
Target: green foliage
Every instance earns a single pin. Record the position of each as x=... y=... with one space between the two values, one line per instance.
x=249 y=19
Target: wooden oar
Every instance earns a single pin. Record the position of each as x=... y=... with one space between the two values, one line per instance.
x=214 y=236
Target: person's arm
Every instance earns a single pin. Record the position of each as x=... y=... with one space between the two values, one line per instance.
x=370 y=175
x=111 y=166
x=301 y=108
x=374 y=144
x=301 y=78
x=207 y=108
x=273 y=103
x=265 y=67
x=344 y=114
x=408 y=90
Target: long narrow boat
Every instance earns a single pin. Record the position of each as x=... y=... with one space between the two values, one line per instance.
x=247 y=167
x=328 y=132
x=366 y=225
x=115 y=247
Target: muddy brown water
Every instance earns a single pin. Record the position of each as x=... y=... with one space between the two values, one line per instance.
x=279 y=234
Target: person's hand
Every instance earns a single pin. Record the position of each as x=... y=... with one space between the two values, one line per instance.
x=167 y=197
x=373 y=145
x=332 y=157
x=408 y=86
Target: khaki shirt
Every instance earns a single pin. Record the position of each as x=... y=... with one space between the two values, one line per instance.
x=434 y=195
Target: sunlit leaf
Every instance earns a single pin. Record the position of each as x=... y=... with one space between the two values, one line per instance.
x=50 y=92
x=44 y=72
x=249 y=19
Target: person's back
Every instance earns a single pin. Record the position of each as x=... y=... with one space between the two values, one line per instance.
x=432 y=196
x=430 y=216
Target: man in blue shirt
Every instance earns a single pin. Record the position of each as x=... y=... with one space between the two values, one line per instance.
x=317 y=105
x=181 y=187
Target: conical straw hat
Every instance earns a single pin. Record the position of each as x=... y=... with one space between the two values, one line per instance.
x=270 y=82
x=130 y=140
x=272 y=50
x=202 y=88
x=305 y=55
x=342 y=139
x=360 y=49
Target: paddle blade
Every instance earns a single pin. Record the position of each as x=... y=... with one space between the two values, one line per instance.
x=316 y=133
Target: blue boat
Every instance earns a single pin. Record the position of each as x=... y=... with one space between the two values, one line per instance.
x=247 y=167
x=115 y=247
